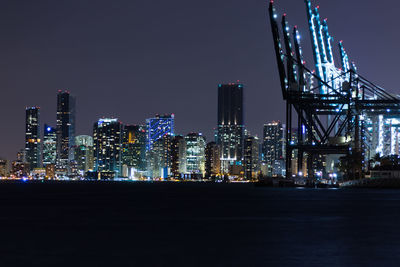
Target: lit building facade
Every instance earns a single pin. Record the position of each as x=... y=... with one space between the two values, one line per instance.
x=65 y=128
x=107 y=147
x=84 y=153
x=157 y=127
x=134 y=149
x=195 y=154
x=32 y=138
x=230 y=124
x=160 y=158
x=49 y=145
x=273 y=148
x=251 y=158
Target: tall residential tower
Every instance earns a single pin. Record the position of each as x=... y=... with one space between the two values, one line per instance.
x=65 y=128
x=230 y=124
x=157 y=127
x=32 y=138
x=107 y=146
x=273 y=148
x=83 y=151
x=49 y=145
x=133 y=149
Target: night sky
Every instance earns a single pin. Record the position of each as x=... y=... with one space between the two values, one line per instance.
x=132 y=59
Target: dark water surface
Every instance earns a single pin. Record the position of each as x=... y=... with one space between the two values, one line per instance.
x=168 y=224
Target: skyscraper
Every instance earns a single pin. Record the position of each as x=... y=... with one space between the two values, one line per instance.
x=230 y=123
x=65 y=128
x=273 y=148
x=159 y=157
x=32 y=138
x=84 y=153
x=251 y=157
x=49 y=145
x=107 y=146
x=134 y=147
x=158 y=127
x=195 y=155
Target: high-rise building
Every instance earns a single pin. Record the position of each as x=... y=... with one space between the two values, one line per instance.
x=65 y=128
x=230 y=124
x=195 y=155
x=178 y=156
x=32 y=138
x=251 y=158
x=273 y=148
x=213 y=161
x=107 y=147
x=84 y=153
x=159 y=158
x=134 y=149
x=49 y=145
x=157 y=127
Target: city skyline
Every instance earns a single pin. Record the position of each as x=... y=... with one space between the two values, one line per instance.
x=44 y=128
x=125 y=91
x=152 y=150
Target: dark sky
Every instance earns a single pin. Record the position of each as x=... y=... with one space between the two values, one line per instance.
x=131 y=59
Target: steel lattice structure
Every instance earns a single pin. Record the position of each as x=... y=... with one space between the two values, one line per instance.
x=332 y=104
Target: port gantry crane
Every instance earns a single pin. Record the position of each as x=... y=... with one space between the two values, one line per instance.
x=332 y=104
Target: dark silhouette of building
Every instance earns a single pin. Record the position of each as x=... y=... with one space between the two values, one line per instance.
x=213 y=161
x=65 y=128
x=178 y=156
x=251 y=158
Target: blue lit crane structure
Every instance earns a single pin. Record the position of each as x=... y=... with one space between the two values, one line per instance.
x=332 y=103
